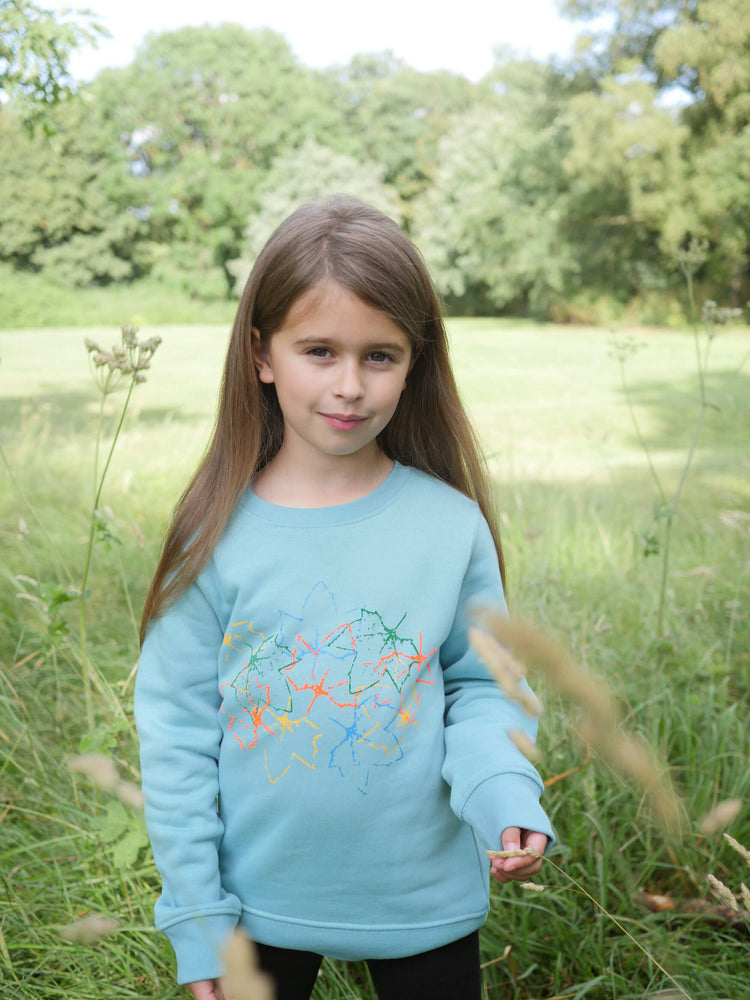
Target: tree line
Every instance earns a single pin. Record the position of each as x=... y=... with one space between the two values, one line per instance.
x=563 y=189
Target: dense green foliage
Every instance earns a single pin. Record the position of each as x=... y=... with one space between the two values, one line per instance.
x=35 y=48
x=575 y=498
x=560 y=190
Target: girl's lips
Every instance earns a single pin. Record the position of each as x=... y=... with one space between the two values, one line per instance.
x=342 y=421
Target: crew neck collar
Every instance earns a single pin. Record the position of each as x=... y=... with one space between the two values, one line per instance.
x=353 y=510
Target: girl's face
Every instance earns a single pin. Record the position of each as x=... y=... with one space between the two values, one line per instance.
x=339 y=367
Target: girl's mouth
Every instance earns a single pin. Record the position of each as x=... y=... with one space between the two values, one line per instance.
x=343 y=421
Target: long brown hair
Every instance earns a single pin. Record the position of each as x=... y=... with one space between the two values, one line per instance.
x=359 y=248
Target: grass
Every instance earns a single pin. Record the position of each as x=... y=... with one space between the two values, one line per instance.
x=574 y=498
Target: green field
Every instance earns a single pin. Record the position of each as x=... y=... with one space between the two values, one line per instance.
x=575 y=499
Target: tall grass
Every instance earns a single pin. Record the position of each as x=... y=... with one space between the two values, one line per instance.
x=574 y=498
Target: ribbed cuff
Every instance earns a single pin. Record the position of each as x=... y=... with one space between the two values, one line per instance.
x=505 y=800
x=198 y=944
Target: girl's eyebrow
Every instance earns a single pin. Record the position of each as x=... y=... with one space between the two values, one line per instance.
x=393 y=347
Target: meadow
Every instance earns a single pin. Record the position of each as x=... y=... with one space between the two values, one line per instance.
x=578 y=507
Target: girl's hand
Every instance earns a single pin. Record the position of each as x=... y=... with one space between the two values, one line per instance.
x=206 y=989
x=521 y=868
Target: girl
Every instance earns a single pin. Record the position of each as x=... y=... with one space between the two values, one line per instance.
x=325 y=760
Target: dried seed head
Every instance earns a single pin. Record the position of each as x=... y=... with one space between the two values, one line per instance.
x=102 y=773
x=99 y=769
x=532 y=887
x=525 y=744
x=536 y=649
x=89 y=929
x=126 y=361
x=720 y=816
x=600 y=725
x=130 y=794
x=517 y=852
x=691 y=258
x=506 y=670
x=244 y=980
x=722 y=893
x=737 y=846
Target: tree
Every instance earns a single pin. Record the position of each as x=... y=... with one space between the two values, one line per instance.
x=309 y=173
x=35 y=48
x=702 y=48
x=627 y=202
x=490 y=224
x=710 y=56
x=395 y=115
x=65 y=215
x=624 y=30
x=203 y=112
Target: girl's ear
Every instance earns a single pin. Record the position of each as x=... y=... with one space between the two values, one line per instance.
x=260 y=357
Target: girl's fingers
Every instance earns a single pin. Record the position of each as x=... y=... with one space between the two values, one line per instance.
x=520 y=857
x=536 y=841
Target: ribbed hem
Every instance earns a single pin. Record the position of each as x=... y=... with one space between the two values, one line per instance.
x=354 y=943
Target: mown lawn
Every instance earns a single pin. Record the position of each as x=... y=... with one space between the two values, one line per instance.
x=575 y=497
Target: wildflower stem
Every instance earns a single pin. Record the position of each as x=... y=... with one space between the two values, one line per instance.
x=639 y=434
x=688 y=261
x=93 y=521
x=98 y=440
x=123 y=411
x=702 y=364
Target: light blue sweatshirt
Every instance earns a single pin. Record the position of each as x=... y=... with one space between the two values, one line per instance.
x=317 y=683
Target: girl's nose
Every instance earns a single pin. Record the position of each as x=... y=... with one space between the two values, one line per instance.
x=349 y=381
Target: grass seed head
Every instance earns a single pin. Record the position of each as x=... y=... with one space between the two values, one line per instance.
x=98 y=768
x=243 y=979
x=88 y=930
x=525 y=744
x=506 y=670
x=600 y=725
x=515 y=852
x=722 y=893
x=130 y=794
x=102 y=773
x=719 y=817
x=737 y=846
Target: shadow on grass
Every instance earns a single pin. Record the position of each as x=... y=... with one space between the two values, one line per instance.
x=74 y=412
x=668 y=411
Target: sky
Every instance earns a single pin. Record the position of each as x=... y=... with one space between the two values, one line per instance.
x=458 y=36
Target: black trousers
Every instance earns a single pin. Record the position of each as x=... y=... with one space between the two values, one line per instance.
x=448 y=973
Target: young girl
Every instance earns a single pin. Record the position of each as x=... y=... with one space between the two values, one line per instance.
x=325 y=759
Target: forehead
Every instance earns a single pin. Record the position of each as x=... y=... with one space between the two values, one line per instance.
x=330 y=310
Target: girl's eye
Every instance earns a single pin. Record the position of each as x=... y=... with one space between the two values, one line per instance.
x=380 y=357
x=319 y=352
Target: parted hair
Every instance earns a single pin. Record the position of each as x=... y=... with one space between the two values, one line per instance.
x=338 y=240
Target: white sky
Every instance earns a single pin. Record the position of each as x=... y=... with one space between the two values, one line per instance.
x=427 y=34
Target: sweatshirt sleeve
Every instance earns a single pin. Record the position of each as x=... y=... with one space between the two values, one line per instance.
x=493 y=786
x=176 y=709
